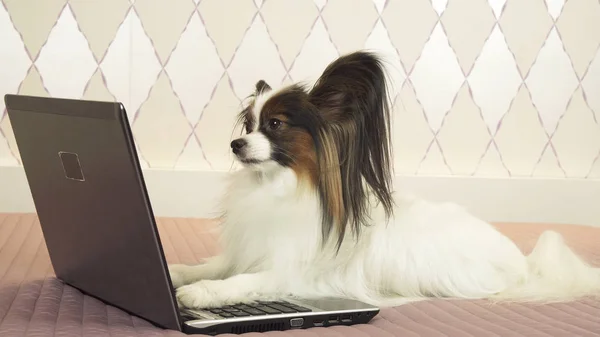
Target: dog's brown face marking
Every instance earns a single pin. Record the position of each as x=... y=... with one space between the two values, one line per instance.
x=283 y=122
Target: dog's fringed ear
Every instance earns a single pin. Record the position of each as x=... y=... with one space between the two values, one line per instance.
x=262 y=87
x=352 y=100
x=330 y=185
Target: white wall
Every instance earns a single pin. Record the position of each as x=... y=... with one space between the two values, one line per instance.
x=189 y=193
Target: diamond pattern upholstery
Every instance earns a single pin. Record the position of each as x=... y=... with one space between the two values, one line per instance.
x=495 y=88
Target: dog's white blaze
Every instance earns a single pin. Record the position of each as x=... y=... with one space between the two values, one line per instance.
x=259 y=147
x=259 y=103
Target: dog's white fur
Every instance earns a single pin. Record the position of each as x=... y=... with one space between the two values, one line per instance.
x=272 y=249
x=258 y=148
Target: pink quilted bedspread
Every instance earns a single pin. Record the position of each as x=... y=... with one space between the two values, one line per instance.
x=34 y=303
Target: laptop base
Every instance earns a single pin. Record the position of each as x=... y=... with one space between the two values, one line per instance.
x=338 y=312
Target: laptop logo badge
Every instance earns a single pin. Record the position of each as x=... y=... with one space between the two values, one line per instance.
x=71 y=166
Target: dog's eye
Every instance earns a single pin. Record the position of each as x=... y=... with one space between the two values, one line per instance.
x=274 y=123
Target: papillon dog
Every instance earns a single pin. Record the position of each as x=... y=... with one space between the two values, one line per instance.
x=311 y=213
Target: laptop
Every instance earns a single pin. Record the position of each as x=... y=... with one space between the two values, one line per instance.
x=89 y=192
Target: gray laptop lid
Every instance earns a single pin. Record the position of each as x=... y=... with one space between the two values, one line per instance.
x=92 y=203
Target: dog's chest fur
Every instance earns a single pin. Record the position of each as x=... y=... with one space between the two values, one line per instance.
x=270 y=223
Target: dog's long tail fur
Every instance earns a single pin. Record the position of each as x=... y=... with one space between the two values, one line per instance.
x=556 y=274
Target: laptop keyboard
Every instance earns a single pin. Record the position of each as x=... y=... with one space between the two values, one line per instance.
x=258 y=309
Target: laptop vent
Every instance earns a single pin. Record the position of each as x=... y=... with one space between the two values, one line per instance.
x=264 y=327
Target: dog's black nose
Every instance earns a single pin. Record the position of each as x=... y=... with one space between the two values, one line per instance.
x=237 y=145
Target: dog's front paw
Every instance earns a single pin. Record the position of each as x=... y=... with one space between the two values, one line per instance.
x=178 y=274
x=204 y=294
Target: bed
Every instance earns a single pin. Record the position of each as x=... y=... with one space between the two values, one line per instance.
x=34 y=303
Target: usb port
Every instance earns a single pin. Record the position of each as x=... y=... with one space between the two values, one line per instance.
x=319 y=323
x=346 y=319
x=334 y=319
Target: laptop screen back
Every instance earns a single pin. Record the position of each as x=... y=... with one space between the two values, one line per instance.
x=92 y=204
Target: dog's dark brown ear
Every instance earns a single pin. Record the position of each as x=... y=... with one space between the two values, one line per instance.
x=352 y=99
x=262 y=87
